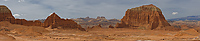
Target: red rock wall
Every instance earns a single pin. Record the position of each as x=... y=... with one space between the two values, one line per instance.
x=27 y=23
x=147 y=16
x=53 y=20
x=5 y=14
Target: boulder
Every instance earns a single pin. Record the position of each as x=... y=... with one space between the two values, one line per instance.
x=110 y=26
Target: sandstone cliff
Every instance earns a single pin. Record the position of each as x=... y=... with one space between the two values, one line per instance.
x=55 y=21
x=144 y=17
x=5 y=14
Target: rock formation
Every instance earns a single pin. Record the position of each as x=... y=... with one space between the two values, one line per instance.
x=95 y=28
x=21 y=29
x=55 y=21
x=187 y=32
x=110 y=26
x=146 y=16
x=27 y=23
x=4 y=37
x=101 y=17
x=5 y=14
x=89 y=22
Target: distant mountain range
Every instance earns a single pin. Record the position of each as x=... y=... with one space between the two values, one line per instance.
x=186 y=18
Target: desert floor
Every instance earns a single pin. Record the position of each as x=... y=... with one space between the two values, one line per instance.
x=13 y=32
x=119 y=34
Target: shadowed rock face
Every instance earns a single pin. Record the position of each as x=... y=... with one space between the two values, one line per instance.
x=146 y=16
x=55 y=21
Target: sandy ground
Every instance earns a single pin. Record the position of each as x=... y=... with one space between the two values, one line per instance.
x=122 y=34
x=13 y=32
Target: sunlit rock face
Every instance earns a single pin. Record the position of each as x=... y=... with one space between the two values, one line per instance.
x=145 y=17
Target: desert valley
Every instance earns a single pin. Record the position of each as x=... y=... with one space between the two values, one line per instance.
x=142 y=23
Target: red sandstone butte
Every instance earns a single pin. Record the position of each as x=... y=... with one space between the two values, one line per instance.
x=145 y=17
x=55 y=21
x=5 y=14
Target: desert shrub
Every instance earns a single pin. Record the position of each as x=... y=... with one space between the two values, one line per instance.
x=142 y=27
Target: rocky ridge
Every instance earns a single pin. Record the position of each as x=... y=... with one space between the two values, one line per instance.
x=89 y=22
x=54 y=20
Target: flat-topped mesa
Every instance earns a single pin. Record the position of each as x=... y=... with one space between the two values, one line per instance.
x=145 y=17
x=101 y=17
x=5 y=14
x=55 y=21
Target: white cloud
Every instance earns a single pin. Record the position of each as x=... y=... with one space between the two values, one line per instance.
x=16 y=15
x=174 y=13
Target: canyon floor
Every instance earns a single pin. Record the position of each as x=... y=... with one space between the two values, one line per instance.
x=122 y=34
x=14 y=32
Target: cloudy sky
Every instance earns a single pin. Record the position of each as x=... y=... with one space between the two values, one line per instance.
x=40 y=9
